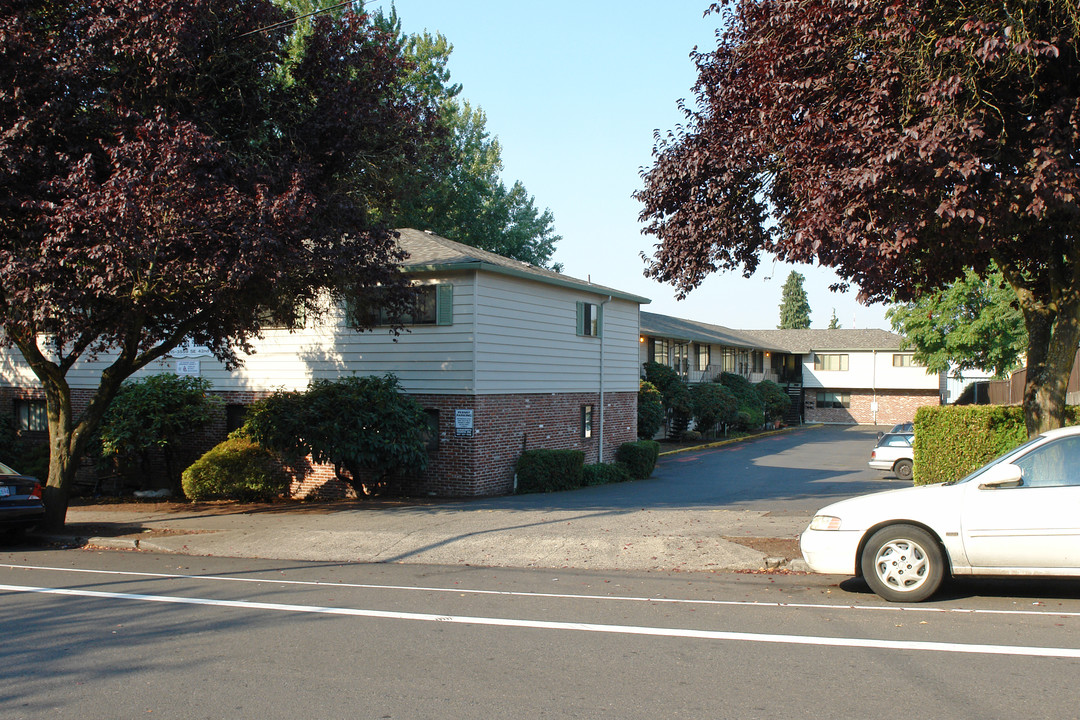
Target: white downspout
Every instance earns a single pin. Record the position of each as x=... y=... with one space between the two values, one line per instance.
x=873 y=382
x=603 y=340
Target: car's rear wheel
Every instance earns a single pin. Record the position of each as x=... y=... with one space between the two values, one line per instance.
x=904 y=469
x=903 y=563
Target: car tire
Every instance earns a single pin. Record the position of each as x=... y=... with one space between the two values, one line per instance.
x=904 y=469
x=903 y=563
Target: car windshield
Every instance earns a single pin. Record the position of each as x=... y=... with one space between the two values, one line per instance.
x=995 y=461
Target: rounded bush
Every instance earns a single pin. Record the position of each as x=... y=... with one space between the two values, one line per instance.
x=237 y=469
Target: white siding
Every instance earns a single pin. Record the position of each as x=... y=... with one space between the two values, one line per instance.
x=427 y=358
x=528 y=342
x=868 y=370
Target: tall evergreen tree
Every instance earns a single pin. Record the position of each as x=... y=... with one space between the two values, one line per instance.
x=794 y=306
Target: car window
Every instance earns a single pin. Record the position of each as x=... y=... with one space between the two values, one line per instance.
x=1055 y=464
x=896 y=441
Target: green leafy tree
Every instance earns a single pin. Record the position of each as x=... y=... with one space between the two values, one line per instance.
x=366 y=427
x=896 y=143
x=712 y=404
x=973 y=324
x=169 y=170
x=834 y=322
x=794 y=305
x=154 y=413
x=458 y=191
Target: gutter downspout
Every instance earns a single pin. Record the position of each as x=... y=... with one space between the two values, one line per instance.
x=873 y=383
x=603 y=340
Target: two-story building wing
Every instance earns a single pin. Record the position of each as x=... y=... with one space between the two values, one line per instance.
x=834 y=376
x=504 y=356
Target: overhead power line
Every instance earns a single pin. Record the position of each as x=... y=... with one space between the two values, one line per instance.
x=296 y=19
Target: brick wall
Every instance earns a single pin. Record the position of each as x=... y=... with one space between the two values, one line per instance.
x=466 y=464
x=894 y=406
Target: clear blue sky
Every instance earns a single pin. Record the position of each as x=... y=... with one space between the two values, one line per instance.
x=574 y=91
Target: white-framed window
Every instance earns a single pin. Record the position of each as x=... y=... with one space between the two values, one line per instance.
x=31 y=415
x=833 y=399
x=589 y=319
x=830 y=362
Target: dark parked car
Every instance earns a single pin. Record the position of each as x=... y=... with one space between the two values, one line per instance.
x=20 y=501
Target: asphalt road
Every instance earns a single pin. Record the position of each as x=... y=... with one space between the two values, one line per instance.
x=121 y=635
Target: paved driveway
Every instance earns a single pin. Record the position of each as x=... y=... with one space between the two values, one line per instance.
x=795 y=472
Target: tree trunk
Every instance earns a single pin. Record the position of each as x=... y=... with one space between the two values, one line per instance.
x=1053 y=336
x=57 y=491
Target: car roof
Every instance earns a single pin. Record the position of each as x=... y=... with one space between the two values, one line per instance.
x=1061 y=432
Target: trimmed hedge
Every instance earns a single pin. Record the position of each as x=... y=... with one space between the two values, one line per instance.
x=236 y=469
x=638 y=457
x=953 y=441
x=549 y=470
x=604 y=473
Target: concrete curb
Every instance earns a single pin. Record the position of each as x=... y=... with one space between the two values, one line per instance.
x=731 y=441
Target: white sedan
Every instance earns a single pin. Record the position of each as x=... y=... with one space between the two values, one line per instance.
x=1018 y=515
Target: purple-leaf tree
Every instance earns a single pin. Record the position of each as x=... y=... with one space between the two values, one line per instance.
x=172 y=169
x=895 y=141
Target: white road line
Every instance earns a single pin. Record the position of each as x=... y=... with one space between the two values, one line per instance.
x=553 y=596
x=1046 y=652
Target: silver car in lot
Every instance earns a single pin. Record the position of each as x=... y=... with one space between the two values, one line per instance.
x=896 y=452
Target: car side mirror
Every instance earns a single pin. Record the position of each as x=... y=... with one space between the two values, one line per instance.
x=1002 y=475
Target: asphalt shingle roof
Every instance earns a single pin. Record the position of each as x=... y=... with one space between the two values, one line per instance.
x=796 y=342
x=430 y=251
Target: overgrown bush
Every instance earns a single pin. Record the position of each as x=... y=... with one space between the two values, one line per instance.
x=678 y=406
x=751 y=412
x=153 y=414
x=236 y=469
x=639 y=457
x=777 y=402
x=549 y=470
x=604 y=473
x=366 y=427
x=712 y=404
x=951 y=441
x=650 y=410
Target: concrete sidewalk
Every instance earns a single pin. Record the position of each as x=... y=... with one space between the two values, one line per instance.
x=453 y=534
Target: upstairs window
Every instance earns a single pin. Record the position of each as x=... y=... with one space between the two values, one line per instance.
x=903 y=360
x=589 y=319
x=831 y=362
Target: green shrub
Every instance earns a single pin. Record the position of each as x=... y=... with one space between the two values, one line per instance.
x=751 y=412
x=550 y=470
x=366 y=427
x=236 y=469
x=604 y=473
x=952 y=441
x=777 y=402
x=678 y=406
x=650 y=410
x=638 y=457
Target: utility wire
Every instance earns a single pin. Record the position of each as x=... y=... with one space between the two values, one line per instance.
x=291 y=21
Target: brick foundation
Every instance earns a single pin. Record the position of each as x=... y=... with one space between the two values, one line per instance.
x=894 y=406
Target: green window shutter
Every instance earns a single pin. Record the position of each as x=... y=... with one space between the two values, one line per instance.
x=599 y=320
x=444 y=304
x=580 y=318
